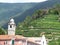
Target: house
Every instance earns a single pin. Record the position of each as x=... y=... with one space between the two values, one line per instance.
x=12 y=39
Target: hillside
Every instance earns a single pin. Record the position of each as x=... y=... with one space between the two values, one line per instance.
x=29 y=12
x=43 y=21
x=48 y=24
x=8 y=10
x=19 y=17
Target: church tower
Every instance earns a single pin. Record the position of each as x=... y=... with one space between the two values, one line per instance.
x=11 y=27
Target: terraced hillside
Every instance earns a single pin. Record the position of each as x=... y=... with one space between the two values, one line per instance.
x=49 y=25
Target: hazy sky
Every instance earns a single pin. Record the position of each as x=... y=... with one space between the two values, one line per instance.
x=17 y=1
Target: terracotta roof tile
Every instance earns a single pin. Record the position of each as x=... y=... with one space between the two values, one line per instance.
x=10 y=37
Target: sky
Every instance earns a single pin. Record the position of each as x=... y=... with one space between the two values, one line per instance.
x=20 y=1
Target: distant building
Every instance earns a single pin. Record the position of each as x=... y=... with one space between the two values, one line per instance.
x=12 y=39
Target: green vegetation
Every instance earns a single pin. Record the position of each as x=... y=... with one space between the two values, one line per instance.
x=2 y=31
x=46 y=21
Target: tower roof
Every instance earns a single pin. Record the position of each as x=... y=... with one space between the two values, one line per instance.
x=12 y=20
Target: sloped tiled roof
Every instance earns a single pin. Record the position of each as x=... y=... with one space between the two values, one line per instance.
x=6 y=37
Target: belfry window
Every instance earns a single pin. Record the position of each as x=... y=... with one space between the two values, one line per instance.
x=10 y=26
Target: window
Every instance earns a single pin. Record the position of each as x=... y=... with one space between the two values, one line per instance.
x=43 y=42
x=5 y=43
x=10 y=26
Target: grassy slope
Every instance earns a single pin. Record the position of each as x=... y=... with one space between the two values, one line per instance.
x=49 y=24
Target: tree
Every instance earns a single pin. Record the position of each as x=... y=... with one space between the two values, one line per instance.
x=2 y=31
x=57 y=7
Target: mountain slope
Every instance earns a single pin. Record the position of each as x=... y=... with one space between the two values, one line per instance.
x=29 y=12
x=8 y=10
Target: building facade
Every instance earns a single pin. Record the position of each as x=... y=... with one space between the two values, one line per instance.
x=12 y=39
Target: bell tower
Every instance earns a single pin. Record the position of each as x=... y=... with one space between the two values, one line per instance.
x=11 y=27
